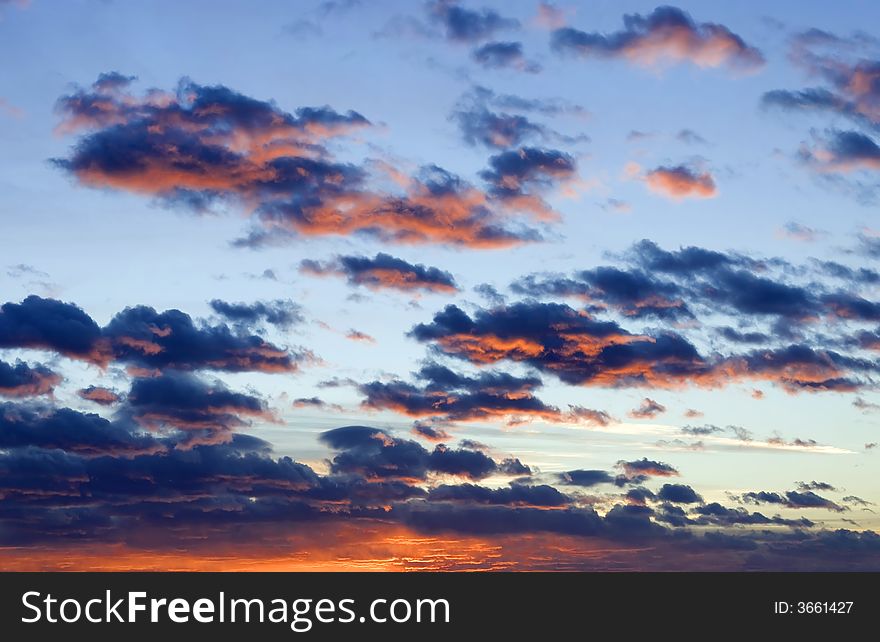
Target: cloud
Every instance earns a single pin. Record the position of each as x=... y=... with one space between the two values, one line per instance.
x=715 y=513
x=679 y=494
x=384 y=272
x=816 y=485
x=24 y=380
x=688 y=289
x=588 y=478
x=639 y=495
x=793 y=499
x=99 y=395
x=449 y=396
x=139 y=337
x=645 y=467
x=616 y=205
x=559 y=340
x=208 y=412
x=70 y=479
x=504 y=55
x=67 y=433
x=478 y=125
x=701 y=431
x=647 y=410
x=852 y=84
x=282 y=312
x=514 y=495
x=468 y=25
x=865 y=406
x=375 y=454
x=690 y=137
x=203 y=146
x=357 y=335
x=519 y=176
x=631 y=293
x=489 y=119
x=545 y=106
x=590 y=416
x=315 y=402
x=680 y=182
x=799 y=232
x=735 y=336
x=843 y=152
x=667 y=35
x=550 y=16
x=490 y=294
x=430 y=433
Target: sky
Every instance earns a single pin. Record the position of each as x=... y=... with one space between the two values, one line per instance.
x=343 y=285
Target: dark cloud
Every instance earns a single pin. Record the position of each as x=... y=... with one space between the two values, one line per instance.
x=690 y=137
x=47 y=324
x=282 y=313
x=815 y=485
x=852 y=84
x=490 y=294
x=461 y=24
x=99 y=395
x=544 y=106
x=843 y=152
x=801 y=368
x=445 y=394
x=504 y=55
x=679 y=262
x=647 y=467
x=203 y=145
x=503 y=121
x=716 y=514
x=632 y=293
x=24 y=380
x=24 y=426
x=590 y=416
x=384 y=272
x=674 y=286
x=799 y=232
x=861 y=275
x=809 y=499
x=792 y=499
x=357 y=335
x=513 y=495
x=679 y=494
x=486 y=520
x=558 y=339
x=496 y=130
x=139 y=337
x=207 y=411
x=520 y=175
x=648 y=409
x=700 y=431
x=110 y=81
x=735 y=336
x=429 y=432
x=639 y=495
x=69 y=477
x=375 y=454
x=587 y=478
x=680 y=181
x=667 y=34
x=744 y=286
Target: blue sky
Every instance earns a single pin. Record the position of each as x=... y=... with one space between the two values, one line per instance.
x=671 y=129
